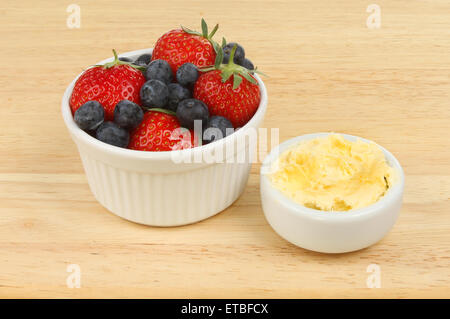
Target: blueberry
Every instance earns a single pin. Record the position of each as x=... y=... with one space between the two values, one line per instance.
x=143 y=60
x=159 y=70
x=246 y=63
x=217 y=127
x=154 y=93
x=125 y=59
x=111 y=133
x=89 y=116
x=177 y=93
x=239 y=54
x=128 y=115
x=187 y=74
x=190 y=110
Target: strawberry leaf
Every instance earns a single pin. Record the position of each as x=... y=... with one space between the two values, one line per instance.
x=236 y=81
x=248 y=77
x=207 y=69
x=213 y=31
x=204 y=28
x=226 y=75
x=219 y=58
x=156 y=109
x=258 y=72
x=116 y=61
x=187 y=30
x=215 y=46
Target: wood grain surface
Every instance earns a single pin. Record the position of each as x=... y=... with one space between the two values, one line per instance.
x=328 y=72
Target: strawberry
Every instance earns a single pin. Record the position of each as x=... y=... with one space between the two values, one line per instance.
x=183 y=45
x=160 y=131
x=229 y=90
x=108 y=84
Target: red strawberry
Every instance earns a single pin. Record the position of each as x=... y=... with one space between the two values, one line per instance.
x=229 y=91
x=108 y=84
x=183 y=45
x=160 y=131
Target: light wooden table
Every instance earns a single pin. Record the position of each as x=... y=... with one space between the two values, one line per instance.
x=328 y=72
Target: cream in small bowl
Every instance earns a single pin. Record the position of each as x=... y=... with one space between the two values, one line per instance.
x=331 y=192
x=332 y=173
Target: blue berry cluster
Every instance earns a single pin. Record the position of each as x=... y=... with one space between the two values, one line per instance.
x=161 y=91
x=127 y=116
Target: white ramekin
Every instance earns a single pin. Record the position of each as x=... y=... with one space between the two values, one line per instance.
x=329 y=232
x=149 y=187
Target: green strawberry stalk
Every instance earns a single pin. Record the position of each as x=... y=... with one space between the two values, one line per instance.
x=205 y=34
x=157 y=109
x=231 y=68
x=116 y=61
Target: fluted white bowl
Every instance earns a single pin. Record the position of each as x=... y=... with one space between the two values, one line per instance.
x=323 y=231
x=150 y=187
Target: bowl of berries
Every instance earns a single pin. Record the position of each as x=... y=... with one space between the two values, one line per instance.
x=166 y=135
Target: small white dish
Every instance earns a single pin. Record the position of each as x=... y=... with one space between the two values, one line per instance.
x=329 y=232
x=150 y=187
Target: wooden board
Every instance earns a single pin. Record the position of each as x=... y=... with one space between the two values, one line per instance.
x=328 y=72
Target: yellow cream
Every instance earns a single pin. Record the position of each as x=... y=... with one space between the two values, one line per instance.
x=333 y=174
